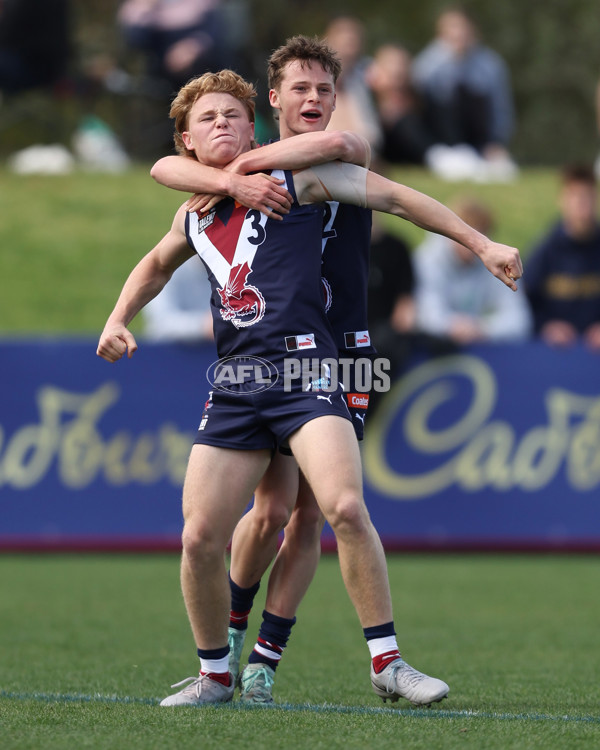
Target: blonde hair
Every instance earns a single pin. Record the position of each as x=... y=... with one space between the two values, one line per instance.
x=223 y=82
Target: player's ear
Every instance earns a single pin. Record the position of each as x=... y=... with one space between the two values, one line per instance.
x=274 y=99
x=187 y=140
x=334 y=101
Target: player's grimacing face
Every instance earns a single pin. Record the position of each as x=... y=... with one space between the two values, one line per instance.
x=305 y=98
x=219 y=129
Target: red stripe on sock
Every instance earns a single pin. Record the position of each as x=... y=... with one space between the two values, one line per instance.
x=223 y=677
x=380 y=662
x=238 y=618
x=271 y=646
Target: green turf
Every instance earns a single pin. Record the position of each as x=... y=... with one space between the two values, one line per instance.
x=69 y=242
x=88 y=644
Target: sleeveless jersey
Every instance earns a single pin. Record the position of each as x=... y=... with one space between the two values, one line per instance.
x=266 y=279
x=345 y=271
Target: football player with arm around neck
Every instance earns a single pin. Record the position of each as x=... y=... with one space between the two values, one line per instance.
x=304 y=97
x=302 y=76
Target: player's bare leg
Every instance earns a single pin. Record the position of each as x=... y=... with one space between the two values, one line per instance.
x=255 y=539
x=254 y=545
x=327 y=452
x=216 y=489
x=290 y=577
x=217 y=486
x=298 y=557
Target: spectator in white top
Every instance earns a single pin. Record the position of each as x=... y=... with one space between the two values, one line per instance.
x=181 y=312
x=467 y=96
x=455 y=298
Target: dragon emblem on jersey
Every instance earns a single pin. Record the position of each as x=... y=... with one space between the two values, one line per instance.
x=243 y=304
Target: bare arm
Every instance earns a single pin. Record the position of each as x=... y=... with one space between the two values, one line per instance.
x=350 y=184
x=298 y=152
x=143 y=284
x=305 y=150
x=259 y=191
x=188 y=175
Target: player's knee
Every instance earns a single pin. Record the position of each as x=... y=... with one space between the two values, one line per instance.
x=348 y=516
x=306 y=523
x=270 y=518
x=200 y=543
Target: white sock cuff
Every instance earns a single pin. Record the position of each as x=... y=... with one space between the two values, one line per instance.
x=215 y=666
x=378 y=646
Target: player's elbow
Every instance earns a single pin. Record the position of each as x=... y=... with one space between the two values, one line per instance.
x=354 y=148
x=155 y=171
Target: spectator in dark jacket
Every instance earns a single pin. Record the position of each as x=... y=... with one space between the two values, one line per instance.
x=34 y=43
x=562 y=275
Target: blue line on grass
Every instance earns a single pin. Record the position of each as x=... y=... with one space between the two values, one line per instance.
x=436 y=713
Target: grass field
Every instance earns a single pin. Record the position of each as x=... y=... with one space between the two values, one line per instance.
x=69 y=242
x=89 y=644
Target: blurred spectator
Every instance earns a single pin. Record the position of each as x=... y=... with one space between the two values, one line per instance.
x=467 y=98
x=405 y=137
x=181 y=312
x=34 y=43
x=391 y=283
x=391 y=310
x=35 y=50
x=457 y=298
x=597 y=164
x=354 y=107
x=562 y=274
x=176 y=40
x=179 y=38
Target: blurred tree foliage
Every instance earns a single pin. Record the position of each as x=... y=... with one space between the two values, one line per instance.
x=550 y=46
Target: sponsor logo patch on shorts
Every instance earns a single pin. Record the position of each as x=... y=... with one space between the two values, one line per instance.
x=358 y=400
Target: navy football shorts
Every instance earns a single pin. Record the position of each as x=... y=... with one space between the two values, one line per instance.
x=357 y=401
x=264 y=420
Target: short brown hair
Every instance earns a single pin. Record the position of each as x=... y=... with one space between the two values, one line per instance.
x=475 y=213
x=306 y=50
x=223 y=82
x=578 y=173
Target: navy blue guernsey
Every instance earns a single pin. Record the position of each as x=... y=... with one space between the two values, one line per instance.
x=562 y=279
x=345 y=270
x=266 y=279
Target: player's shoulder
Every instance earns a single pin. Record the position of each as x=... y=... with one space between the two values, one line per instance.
x=180 y=218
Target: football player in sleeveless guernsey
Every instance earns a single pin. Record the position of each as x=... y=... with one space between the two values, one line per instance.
x=219 y=479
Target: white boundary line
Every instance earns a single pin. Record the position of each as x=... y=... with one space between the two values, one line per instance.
x=419 y=713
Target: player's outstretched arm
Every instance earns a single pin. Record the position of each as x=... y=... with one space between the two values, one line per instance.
x=143 y=284
x=258 y=191
x=503 y=261
x=305 y=150
x=351 y=184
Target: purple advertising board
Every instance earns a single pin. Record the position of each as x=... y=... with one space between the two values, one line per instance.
x=494 y=448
